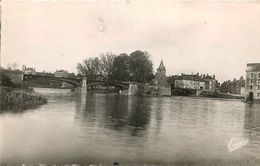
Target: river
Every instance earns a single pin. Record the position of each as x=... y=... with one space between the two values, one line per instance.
x=104 y=128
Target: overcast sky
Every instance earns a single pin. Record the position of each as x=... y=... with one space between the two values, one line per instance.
x=206 y=37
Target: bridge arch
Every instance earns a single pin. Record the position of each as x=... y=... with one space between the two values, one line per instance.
x=76 y=82
x=120 y=85
x=73 y=81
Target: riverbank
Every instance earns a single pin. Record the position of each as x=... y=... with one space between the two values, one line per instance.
x=221 y=95
x=12 y=96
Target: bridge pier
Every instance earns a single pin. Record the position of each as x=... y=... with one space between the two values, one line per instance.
x=84 y=86
x=131 y=91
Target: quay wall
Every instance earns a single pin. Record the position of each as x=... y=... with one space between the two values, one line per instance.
x=154 y=90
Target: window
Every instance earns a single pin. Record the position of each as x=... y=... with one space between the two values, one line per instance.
x=251 y=81
x=258 y=94
x=252 y=75
x=258 y=87
x=258 y=82
x=251 y=87
x=258 y=75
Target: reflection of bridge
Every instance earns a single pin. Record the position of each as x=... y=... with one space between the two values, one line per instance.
x=76 y=82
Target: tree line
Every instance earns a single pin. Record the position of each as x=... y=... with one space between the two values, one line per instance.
x=136 y=67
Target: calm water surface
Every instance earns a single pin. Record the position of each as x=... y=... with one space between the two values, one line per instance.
x=103 y=128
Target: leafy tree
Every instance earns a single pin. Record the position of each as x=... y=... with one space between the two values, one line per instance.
x=5 y=80
x=106 y=65
x=120 y=71
x=140 y=66
x=90 y=68
x=12 y=66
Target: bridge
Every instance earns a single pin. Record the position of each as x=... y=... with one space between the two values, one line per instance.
x=77 y=82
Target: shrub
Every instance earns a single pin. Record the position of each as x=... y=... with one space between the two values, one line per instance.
x=5 y=80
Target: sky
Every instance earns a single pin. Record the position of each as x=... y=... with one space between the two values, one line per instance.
x=208 y=37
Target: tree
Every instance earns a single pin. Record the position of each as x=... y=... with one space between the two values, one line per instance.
x=90 y=68
x=106 y=65
x=5 y=80
x=140 y=66
x=12 y=66
x=120 y=71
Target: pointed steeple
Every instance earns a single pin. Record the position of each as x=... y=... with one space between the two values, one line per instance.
x=161 y=65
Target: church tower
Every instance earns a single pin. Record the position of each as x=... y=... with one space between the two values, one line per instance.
x=160 y=78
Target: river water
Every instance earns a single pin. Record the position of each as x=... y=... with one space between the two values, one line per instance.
x=103 y=128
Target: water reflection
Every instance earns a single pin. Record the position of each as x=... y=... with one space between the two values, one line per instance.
x=252 y=131
x=125 y=113
x=17 y=108
x=106 y=128
x=252 y=122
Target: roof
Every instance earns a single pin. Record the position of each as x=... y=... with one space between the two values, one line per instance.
x=253 y=67
x=63 y=71
x=161 y=66
x=30 y=68
x=208 y=77
x=189 y=77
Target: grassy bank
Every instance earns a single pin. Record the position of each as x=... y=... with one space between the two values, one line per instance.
x=19 y=97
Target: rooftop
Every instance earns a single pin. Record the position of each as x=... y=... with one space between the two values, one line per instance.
x=253 y=67
x=161 y=66
x=194 y=77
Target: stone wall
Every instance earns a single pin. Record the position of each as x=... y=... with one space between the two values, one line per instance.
x=153 y=90
x=165 y=91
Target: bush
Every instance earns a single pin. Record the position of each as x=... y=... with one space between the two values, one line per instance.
x=5 y=80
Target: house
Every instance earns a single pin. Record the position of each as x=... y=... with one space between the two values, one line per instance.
x=61 y=73
x=252 y=83
x=187 y=81
x=211 y=84
x=191 y=84
x=233 y=87
x=29 y=70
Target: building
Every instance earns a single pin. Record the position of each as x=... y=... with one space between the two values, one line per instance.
x=252 y=84
x=160 y=87
x=61 y=73
x=29 y=70
x=233 y=87
x=191 y=84
x=192 y=81
x=211 y=84
x=160 y=78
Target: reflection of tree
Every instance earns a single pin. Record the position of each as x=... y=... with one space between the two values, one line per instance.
x=84 y=109
x=131 y=114
x=158 y=114
x=140 y=113
x=127 y=113
x=17 y=108
x=115 y=112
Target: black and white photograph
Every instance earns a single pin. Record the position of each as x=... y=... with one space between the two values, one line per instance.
x=130 y=82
